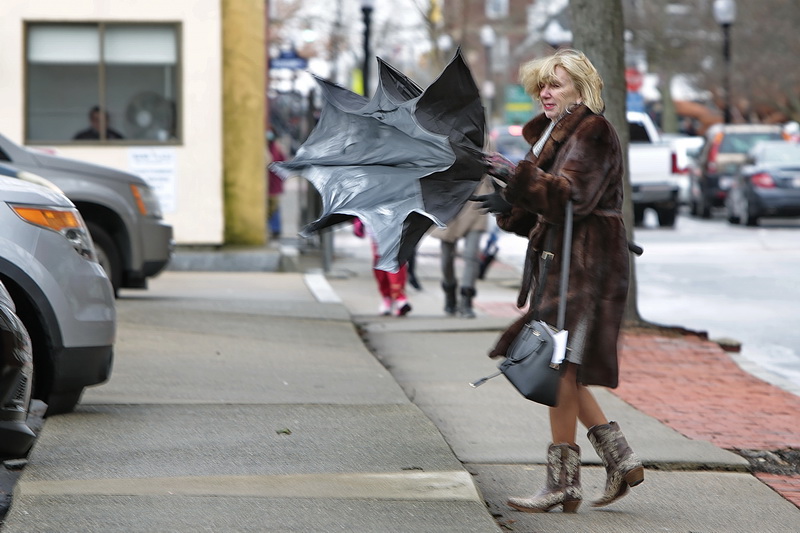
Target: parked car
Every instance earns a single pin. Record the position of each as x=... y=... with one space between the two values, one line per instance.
x=61 y=293
x=16 y=381
x=768 y=185
x=649 y=162
x=724 y=151
x=509 y=142
x=122 y=212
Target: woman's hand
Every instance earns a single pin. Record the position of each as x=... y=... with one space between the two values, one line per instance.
x=495 y=203
x=499 y=166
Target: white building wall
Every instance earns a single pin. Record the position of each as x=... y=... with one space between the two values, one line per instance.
x=194 y=199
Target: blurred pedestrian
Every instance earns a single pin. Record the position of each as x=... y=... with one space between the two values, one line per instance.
x=391 y=285
x=576 y=156
x=412 y=271
x=489 y=252
x=468 y=227
x=274 y=186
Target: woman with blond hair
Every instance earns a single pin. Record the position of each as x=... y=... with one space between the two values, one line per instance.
x=575 y=156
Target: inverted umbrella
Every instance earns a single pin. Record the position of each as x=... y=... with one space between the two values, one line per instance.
x=401 y=162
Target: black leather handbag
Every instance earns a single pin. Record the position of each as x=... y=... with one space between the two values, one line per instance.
x=529 y=364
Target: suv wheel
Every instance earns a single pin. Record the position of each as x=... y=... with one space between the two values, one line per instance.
x=63 y=402
x=638 y=215
x=107 y=255
x=666 y=217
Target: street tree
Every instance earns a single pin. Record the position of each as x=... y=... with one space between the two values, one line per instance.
x=683 y=38
x=765 y=80
x=597 y=30
x=663 y=35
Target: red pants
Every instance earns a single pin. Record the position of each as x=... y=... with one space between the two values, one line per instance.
x=390 y=285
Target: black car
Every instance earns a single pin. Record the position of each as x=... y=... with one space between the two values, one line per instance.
x=768 y=186
x=724 y=152
x=16 y=381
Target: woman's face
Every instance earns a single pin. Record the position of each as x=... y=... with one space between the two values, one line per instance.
x=558 y=95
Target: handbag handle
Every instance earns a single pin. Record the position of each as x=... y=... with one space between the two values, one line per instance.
x=567 y=251
x=547 y=257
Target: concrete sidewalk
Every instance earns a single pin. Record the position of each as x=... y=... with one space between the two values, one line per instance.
x=685 y=405
x=241 y=402
x=248 y=401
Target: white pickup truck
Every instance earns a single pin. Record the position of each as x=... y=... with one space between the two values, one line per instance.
x=658 y=165
x=657 y=169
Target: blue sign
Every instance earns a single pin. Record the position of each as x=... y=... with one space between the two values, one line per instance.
x=288 y=59
x=635 y=101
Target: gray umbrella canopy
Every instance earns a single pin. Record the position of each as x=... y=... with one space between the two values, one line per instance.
x=401 y=162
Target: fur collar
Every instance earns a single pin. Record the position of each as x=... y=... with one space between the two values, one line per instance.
x=562 y=130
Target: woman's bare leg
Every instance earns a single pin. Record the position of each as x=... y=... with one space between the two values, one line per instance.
x=564 y=417
x=589 y=411
x=575 y=402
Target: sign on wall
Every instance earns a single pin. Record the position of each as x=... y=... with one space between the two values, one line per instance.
x=158 y=167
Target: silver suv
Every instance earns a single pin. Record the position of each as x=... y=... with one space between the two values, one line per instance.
x=122 y=212
x=61 y=293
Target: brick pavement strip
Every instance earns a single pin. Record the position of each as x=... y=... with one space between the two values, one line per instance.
x=786 y=486
x=692 y=385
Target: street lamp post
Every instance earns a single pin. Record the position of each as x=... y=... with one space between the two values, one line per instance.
x=366 y=8
x=725 y=15
x=487 y=39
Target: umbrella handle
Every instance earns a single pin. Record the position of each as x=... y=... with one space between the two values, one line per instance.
x=499 y=166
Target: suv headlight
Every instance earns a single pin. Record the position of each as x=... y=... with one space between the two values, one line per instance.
x=66 y=221
x=146 y=200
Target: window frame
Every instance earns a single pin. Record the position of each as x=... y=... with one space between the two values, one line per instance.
x=102 y=25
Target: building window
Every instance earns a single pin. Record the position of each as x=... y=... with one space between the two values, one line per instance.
x=102 y=83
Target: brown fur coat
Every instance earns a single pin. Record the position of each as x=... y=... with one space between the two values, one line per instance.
x=581 y=160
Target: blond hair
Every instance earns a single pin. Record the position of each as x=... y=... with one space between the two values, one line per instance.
x=535 y=74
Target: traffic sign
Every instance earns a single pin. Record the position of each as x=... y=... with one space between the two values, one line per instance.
x=635 y=102
x=518 y=105
x=634 y=79
x=288 y=59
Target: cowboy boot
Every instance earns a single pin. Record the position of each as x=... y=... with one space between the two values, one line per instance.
x=623 y=468
x=465 y=307
x=563 y=485
x=449 y=298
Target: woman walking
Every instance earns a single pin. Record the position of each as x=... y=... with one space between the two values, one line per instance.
x=468 y=227
x=575 y=156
